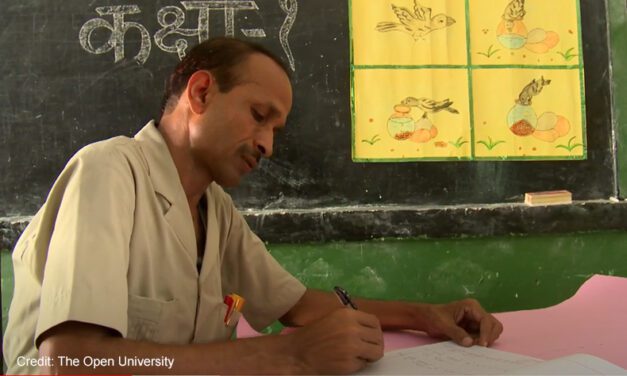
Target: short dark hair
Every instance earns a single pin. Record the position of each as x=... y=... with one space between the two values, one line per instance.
x=220 y=56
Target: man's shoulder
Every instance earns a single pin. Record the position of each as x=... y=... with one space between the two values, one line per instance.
x=116 y=149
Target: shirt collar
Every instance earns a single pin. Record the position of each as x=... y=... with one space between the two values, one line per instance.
x=166 y=182
x=161 y=167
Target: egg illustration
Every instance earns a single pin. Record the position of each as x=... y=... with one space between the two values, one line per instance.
x=541 y=41
x=425 y=131
x=551 y=127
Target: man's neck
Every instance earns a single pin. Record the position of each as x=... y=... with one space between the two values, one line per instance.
x=194 y=180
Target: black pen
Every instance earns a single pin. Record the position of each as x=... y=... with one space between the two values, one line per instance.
x=344 y=297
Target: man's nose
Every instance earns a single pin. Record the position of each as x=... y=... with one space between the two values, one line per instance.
x=264 y=141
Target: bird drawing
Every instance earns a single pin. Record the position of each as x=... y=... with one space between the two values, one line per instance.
x=514 y=11
x=417 y=23
x=512 y=32
x=429 y=105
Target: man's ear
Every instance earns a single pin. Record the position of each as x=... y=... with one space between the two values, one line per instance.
x=200 y=87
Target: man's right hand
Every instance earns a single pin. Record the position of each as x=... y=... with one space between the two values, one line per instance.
x=344 y=341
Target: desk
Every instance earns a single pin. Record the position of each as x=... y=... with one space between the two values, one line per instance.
x=593 y=321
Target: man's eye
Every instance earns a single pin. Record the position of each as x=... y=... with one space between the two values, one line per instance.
x=256 y=115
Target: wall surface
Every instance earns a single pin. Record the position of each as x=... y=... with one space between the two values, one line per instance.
x=7 y=285
x=504 y=273
x=618 y=38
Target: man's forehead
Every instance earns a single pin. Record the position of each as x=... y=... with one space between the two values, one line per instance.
x=257 y=66
x=267 y=76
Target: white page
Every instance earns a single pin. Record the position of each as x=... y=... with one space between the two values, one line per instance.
x=446 y=358
x=576 y=364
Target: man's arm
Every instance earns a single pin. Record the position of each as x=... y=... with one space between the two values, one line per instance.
x=342 y=342
x=79 y=340
x=464 y=321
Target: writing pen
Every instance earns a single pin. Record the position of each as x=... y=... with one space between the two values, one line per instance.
x=344 y=297
x=234 y=304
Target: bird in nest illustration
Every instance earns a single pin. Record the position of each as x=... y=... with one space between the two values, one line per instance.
x=417 y=23
x=512 y=32
x=429 y=105
x=514 y=11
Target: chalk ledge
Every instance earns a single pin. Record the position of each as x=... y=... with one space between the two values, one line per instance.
x=356 y=223
x=372 y=222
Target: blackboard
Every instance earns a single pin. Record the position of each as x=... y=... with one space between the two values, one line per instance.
x=62 y=86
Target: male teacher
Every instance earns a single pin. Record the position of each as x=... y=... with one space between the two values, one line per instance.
x=125 y=267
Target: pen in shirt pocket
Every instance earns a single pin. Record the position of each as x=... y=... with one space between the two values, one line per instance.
x=234 y=304
x=344 y=297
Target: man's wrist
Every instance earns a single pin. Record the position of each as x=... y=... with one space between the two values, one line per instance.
x=420 y=315
x=294 y=354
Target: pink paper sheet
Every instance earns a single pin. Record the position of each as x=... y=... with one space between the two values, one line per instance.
x=593 y=321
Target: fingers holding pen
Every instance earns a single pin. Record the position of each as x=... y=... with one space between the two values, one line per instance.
x=344 y=341
x=374 y=336
x=360 y=326
x=370 y=330
x=367 y=334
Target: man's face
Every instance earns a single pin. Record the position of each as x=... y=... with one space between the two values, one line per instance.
x=237 y=128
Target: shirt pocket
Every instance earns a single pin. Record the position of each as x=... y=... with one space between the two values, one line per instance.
x=212 y=328
x=146 y=316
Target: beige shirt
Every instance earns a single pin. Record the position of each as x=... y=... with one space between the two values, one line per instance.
x=114 y=245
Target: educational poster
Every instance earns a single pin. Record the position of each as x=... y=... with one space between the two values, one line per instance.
x=419 y=121
x=467 y=80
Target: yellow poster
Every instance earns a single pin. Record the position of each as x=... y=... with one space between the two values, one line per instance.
x=467 y=80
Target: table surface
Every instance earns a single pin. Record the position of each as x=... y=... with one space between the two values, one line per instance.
x=592 y=321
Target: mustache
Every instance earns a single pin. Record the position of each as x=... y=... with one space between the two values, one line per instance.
x=250 y=151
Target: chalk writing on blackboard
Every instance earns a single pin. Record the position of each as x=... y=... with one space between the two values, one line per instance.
x=171 y=18
x=118 y=30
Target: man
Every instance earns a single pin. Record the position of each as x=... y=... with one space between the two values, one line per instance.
x=137 y=243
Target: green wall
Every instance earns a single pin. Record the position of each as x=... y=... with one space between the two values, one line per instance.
x=504 y=273
x=618 y=39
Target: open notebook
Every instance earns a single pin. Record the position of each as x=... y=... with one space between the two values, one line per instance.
x=447 y=358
